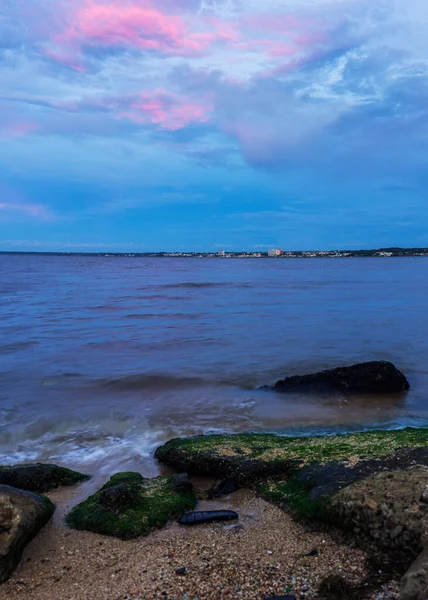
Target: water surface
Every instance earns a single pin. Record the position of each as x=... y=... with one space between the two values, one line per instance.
x=103 y=358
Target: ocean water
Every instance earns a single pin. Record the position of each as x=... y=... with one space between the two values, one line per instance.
x=104 y=358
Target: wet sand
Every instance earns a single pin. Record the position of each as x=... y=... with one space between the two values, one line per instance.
x=262 y=557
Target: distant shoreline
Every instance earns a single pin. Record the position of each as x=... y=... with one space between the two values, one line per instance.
x=378 y=253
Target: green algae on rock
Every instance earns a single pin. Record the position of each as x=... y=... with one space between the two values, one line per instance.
x=129 y=506
x=254 y=457
x=39 y=477
x=346 y=480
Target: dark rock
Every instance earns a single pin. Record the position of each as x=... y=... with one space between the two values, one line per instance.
x=22 y=515
x=414 y=584
x=335 y=587
x=119 y=497
x=39 y=477
x=223 y=488
x=182 y=483
x=181 y=571
x=376 y=377
x=207 y=516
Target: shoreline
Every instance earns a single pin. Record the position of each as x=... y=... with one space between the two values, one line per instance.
x=278 y=546
x=263 y=558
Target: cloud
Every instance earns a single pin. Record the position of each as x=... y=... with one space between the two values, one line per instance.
x=10 y=211
x=326 y=96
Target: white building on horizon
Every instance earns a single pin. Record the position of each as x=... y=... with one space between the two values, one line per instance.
x=275 y=252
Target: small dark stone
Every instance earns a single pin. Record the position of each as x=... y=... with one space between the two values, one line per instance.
x=335 y=587
x=223 y=488
x=118 y=497
x=181 y=571
x=313 y=552
x=287 y=597
x=207 y=516
x=182 y=483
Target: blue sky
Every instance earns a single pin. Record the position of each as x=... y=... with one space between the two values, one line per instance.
x=141 y=125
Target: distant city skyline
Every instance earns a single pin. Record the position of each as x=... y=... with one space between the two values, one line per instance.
x=200 y=125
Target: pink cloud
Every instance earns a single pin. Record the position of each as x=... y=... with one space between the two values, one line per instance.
x=27 y=210
x=64 y=57
x=18 y=128
x=168 y=111
x=141 y=25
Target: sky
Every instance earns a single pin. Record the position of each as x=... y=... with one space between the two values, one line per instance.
x=162 y=125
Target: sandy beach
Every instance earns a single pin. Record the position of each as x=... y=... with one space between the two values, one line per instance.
x=261 y=557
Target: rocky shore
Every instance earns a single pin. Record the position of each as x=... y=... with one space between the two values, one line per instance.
x=314 y=513
x=341 y=517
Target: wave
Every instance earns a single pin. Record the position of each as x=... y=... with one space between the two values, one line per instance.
x=16 y=346
x=164 y=316
x=155 y=382
x=199 y=284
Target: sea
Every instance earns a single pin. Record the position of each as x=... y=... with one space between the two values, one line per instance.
x=103 y=358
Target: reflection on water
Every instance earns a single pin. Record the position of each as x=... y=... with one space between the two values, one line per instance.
x=102 y=359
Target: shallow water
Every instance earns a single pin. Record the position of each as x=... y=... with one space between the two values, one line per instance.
x=104 y=358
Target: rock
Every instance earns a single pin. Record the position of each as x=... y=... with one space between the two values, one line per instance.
x=22 y=515
x=181 y=571
x=376 y=377
x=424 y=496
x=223 y=488
x=39 y=477
x=414 y=584
x=313 y=552
x=335 y=587
x=129 y=506
x=251 y=458
x=119 y=497
x=182 y=483
x=385 y=510
x=287 y=597
x=207 y=516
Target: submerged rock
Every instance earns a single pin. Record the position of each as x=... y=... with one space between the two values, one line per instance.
x=129 y=506
x=376 y=377
x=39 y=477
x=207 y=516
x=22 y=515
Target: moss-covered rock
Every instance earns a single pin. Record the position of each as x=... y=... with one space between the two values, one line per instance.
x=372 y=483
x=22 y=515
x=254 y=457
x=129 y=506
x=39 y=477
